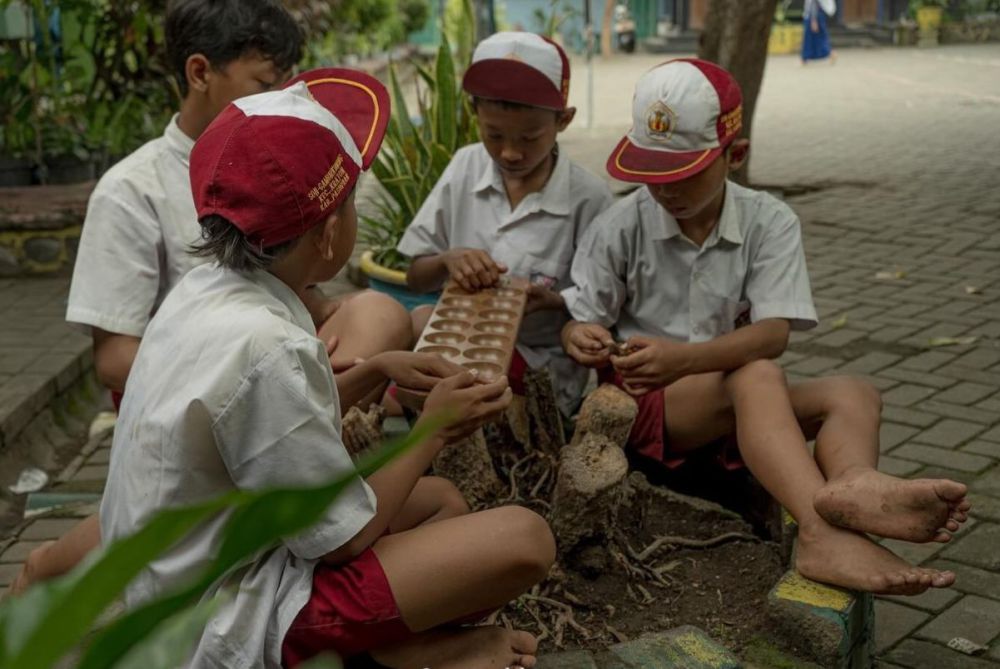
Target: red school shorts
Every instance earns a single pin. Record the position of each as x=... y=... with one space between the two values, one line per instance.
x=351 y=611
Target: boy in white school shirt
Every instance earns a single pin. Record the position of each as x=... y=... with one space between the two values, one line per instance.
x=231 y=389
x=703 y=279
x=141 y=222
x=514 y=203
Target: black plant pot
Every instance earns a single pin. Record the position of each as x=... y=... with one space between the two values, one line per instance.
x=15 y=172
x=70 y=170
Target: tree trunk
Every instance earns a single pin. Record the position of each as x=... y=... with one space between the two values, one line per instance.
x=735 y=37
x=607 y=28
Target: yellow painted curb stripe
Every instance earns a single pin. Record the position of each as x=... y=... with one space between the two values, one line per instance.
x=794 y=587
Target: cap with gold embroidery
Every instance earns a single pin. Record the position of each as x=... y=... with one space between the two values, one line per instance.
x=276 y=164
x=684 y=114
x=519 y=67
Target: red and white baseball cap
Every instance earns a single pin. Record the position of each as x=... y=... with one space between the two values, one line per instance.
x=684 y=114
x=519 y=67
x=277 y=163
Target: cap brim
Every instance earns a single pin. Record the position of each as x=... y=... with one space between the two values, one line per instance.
x=629 y=162
x=511 y=81
x=358 y=100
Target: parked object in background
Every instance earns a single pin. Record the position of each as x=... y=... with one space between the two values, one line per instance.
x=624 y=29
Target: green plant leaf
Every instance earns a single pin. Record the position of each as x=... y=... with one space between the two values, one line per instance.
x=446 y=100
x=49 y=619
x=172 y=644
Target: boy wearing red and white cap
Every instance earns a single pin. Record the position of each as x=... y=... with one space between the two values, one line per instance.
x=513 y=203
x=703 y=279
x=232 y=389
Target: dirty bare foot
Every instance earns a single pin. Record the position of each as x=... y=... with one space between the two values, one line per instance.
x=29 y=569
x=913 y=510
x=851 y=560
x=463 y=648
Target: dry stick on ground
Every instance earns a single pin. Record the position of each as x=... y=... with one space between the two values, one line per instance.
x=687 y=542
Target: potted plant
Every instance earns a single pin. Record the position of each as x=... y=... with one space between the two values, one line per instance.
x=413 y=156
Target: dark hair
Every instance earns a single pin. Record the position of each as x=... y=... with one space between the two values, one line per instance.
x=226 y=30
x=227 y=244
x=508 y=105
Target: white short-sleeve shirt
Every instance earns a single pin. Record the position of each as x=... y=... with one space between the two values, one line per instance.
x=469 y=208
x=635 y=270
x=230 y=390
x=133 y=249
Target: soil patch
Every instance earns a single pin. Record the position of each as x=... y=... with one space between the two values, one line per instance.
x=642 y=580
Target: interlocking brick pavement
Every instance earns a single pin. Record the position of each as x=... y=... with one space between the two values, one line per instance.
x=890 y=159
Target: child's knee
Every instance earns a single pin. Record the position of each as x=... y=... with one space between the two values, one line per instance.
x=854 y=394
x=757 y=374
x=392 y=317
x=451 y=502
x=528 y=540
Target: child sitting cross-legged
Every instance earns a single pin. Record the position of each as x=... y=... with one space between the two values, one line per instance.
x=514 y=203
x=232 y=389
x=701 y=280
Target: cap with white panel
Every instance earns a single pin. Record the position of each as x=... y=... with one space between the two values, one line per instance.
x=684 y=114
x=277 y=163
x=519 y=67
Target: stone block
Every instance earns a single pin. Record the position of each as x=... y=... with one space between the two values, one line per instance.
x=896 y=467
x=957 y=412
x=684 y=647
x=927 y=361
x=974 y=618
x=924 y=654
x=574 y=659
x=871 y=362
x=950 y=433
x=909 y=416
x=835 y=626
x=894 y=622
x=966 y=393
x=977 y=548
x=18 y=552
x=932 y=599
x=893 y=434
x=933 y=455
x=47 y=528
x=8 y=572
x=971 y=580
x=906 y=394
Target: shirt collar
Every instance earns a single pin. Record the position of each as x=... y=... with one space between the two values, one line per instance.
x=729 y=221
x=727 y=228
x=178 y=140
x=284 y=294
x=554 y=196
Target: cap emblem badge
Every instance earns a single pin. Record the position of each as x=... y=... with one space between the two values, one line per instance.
x=660 y=121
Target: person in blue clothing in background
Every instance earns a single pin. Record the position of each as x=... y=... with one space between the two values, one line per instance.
x=815 y=39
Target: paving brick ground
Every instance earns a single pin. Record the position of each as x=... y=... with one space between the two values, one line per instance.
x=892 y=157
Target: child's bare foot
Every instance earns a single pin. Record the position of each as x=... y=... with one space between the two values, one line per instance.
x=870 y=501
x=466 y=648
x=29 y=570
x=850 y=560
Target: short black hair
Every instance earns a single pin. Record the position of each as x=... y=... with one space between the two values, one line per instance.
x=226 y=244
x=226 y=30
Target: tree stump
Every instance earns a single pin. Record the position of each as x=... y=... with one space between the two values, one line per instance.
x=591 y=471
x=544 y=419
x=608 y=411
x=360 y=430
x=468 y=465
x=588 y=492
